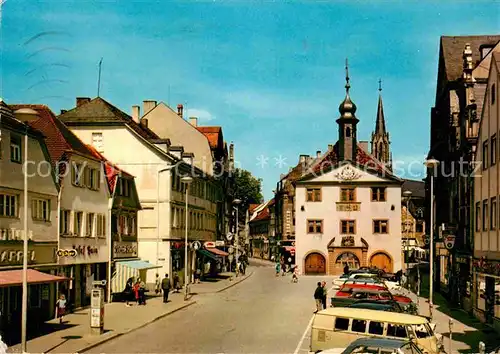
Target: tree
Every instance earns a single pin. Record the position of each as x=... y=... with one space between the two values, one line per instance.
x=248 y=189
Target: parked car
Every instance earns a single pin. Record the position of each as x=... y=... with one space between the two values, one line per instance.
x=380 y=305
x=377 y=345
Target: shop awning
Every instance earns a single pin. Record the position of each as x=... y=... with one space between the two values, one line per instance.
x=209 y=254
x=15 y=277
x=139 y=265
x=218 y=252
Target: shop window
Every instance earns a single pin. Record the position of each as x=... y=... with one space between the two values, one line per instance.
x=348 y=194
x=35 y=296
x=481 y=292
x=341 y=324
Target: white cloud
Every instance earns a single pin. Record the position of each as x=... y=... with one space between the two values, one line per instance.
x=202 y=114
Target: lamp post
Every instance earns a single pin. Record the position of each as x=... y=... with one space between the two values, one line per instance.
x=407 y=195
x=236 y=229
x=187 y=181
x=431 y=164
x=158 y=212
x=25 y=115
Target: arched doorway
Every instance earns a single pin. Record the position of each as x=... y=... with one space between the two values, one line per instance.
x=348 y=258
x=315 y=264
x=382 y=261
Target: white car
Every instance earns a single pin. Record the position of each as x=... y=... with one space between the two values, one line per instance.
x=356 y=276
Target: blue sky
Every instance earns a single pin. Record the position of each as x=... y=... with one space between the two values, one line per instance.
x=270 y=73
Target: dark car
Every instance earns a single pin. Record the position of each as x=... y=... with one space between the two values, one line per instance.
x=381 y=305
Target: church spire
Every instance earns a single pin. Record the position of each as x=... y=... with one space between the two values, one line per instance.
x=380 y=138
x=347 y=123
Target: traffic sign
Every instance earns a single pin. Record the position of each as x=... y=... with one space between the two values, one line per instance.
x=449 y=242
x=229 y=236
x=196 y=245
x=230 y=250
x=209 y=244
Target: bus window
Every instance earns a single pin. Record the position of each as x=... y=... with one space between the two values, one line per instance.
x=394 y=330
x=376 y=328
x=359 y=326
x=341 y=324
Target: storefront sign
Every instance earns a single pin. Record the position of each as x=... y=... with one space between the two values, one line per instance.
x=37 y=254
x=348 y=207
x=209 y=244
x=219 y=243
x=66 y=253
x=124 y=249
x=176 y=245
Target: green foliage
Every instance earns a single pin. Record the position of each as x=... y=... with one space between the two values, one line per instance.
x=248 y=189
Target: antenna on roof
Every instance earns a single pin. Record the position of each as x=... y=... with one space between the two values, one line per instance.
x=99 y=78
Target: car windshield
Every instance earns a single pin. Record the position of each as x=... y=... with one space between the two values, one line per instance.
x=371 y=349
x=423 y=330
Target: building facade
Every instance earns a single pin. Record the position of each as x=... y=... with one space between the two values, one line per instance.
x=83 y=208
x=486 y=265
x=42 y=226
x=158 y=167
x=455 y=117
x=415 y=248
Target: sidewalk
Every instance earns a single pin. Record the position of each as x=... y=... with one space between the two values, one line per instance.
x=73 y=336
x=467 y=331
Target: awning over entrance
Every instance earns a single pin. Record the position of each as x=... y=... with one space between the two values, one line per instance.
x=139 y=265
x=218 y=252
x=209 y=254
x=15 y=277
x=125 y=270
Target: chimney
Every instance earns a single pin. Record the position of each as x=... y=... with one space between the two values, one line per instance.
x=148 y=105
x=193 y=121
x=63 y=111
x=136 y=113
x=144 y=122
x=303 y=159
x=330 y=147
x=364 y=145
x=318 y=154
x=180 y=110
x=82 y=100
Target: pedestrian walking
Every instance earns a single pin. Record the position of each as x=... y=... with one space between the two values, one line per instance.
x=142 y=292
x=177 y=283
x=158 y=287
x=136 y=291
x=61 y=307
x=325 y=294
x=346 y=269
x=295 y=275
x=165 y=286
x=318 y=297
x=278 y=266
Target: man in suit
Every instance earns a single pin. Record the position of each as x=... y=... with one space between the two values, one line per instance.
x=165 y=286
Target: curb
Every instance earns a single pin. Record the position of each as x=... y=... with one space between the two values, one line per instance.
x=235 y=283
x=114 y=336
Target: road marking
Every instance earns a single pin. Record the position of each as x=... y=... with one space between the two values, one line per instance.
x=303 y=336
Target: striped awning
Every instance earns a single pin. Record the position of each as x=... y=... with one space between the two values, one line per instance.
x=125 y=270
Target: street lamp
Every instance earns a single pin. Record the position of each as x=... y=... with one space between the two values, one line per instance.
x=25 y=115
x=168 y=168
x=236 y=237
x=187 y=181
x=431 y=164
x=407 y=195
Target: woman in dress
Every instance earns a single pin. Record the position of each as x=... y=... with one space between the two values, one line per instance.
x=61 y=307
